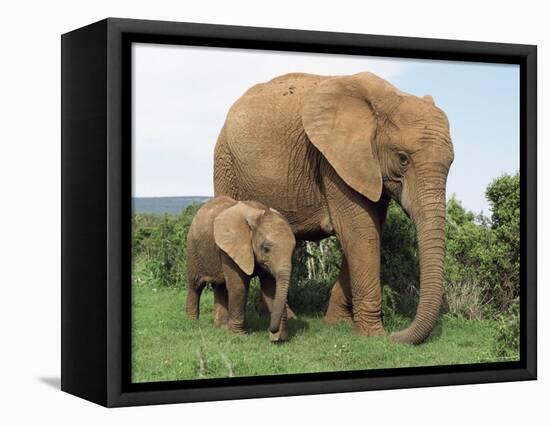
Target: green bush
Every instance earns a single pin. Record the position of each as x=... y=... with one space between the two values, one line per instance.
x=468 y=263
x=507 y=332
x=482 y=257
x=160 y=243
x=504 y=196
x=315 y=268
x=168 y=256
x=390 y=312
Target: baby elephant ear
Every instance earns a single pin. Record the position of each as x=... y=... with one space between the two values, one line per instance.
x=340 y=122
x=233 y=234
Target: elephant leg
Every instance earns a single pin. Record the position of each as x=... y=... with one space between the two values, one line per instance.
x=357 y=224
x=340 y=306
x=267 y=283
x=237 y=289
x=366 y=291
x=221 y=313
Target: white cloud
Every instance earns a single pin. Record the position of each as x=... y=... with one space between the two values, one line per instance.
x=181 y=95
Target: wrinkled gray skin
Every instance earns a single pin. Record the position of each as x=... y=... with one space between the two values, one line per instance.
x=329 y=153
x=228 y=243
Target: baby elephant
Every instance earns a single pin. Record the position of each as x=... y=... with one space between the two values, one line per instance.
x=228 y=243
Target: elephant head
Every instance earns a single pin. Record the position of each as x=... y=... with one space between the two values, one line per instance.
x=252 y=235
x=379 y=139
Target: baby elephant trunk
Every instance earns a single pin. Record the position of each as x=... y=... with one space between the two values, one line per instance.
x=279 y=304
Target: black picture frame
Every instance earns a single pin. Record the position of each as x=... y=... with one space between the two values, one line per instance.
x=96 y=208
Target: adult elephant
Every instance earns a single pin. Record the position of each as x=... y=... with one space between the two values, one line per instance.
x=329 y=153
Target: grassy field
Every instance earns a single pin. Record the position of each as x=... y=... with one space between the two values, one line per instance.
x=166 y=345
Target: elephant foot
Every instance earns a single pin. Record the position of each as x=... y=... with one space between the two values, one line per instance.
x=221 y=320
x=280 y=336
x=222 y=325
x=336 y=315
x=237 y=329
x=369 y=330
x=192 y=312
x=339 y=306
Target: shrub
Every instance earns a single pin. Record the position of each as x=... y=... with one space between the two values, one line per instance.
x=254 y=297
x=167 y=259
x=465 y=299
x=468 y=265
x=504 y=196
x=315 y=268
x=390 y=314
x=160 y=242
x=482 y=257
x=507 y=333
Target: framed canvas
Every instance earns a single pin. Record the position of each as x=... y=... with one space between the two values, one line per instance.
x=255 y=212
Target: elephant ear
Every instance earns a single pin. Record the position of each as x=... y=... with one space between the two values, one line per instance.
x=341 y=123
x=233 y=234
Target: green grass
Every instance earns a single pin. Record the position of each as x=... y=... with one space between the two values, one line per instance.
x=166 y=345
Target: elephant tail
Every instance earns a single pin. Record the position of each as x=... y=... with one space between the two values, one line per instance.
x=194 y=292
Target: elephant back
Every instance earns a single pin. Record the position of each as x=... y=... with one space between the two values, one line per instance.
x=263 y=132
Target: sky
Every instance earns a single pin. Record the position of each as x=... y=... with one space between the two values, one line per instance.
x=181 y=95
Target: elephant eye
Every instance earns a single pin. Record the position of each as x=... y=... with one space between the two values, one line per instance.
x=266 y=247
x=403 y=159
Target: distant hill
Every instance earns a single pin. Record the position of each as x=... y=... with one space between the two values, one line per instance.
x=164 y=205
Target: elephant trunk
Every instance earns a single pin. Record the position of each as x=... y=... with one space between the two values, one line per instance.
x=279 y=303
x=430 y=227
